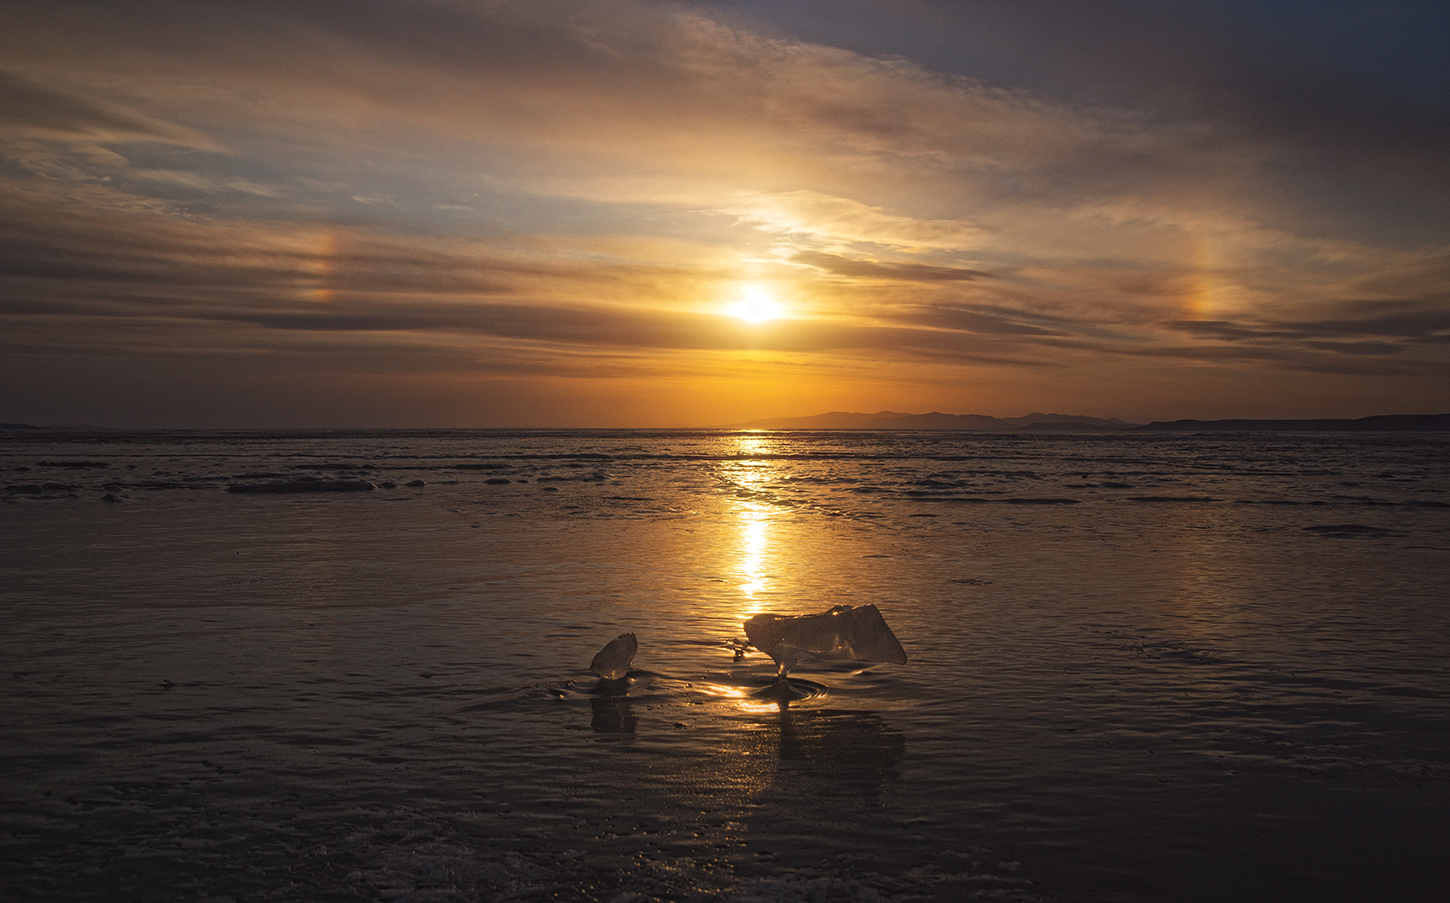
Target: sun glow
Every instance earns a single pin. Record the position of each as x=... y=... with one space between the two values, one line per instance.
x=756 y=305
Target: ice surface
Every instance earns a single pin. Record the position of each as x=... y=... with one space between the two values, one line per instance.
x=306 y=624
x=612 y=662
x=303 y=485
x=844 y=633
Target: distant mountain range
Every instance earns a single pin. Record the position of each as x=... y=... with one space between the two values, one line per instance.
x=1057 y=423
x=891 y=420
x=1384 y=423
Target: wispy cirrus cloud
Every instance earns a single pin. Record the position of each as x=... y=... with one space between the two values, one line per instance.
x=593 y=182
x=32 y=111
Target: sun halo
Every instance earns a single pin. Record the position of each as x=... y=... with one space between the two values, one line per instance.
x=756 y=305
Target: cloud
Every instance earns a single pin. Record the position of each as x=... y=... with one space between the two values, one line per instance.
x=1352 y=85
x=809 y=217
x=588 y=181
x=1413 y=326
x=895 y=272
x=31 y=110
x=994 y=321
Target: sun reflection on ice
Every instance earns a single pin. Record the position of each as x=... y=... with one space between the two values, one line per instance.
x=753 y=543
x=751 y=477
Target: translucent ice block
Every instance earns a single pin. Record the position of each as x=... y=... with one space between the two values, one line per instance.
x=612 y=662
x=842 y=634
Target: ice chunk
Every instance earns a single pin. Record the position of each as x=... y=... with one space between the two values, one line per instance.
x=842 y=634
x=613 y=660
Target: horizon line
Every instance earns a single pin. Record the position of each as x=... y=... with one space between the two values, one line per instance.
x=746 y=426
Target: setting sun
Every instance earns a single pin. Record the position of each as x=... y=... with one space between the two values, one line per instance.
x=756 y=304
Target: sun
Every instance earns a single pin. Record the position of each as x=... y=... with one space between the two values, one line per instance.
x=756 y=305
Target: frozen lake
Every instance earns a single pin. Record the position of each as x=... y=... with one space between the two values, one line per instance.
x=1141 y=667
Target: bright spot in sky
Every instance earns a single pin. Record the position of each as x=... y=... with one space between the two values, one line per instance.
x=756 y=304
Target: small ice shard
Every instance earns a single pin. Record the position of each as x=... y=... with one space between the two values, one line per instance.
x=613 y=660
x=842 y=634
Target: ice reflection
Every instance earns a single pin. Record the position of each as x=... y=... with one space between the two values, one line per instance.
x=854 y=751
x=1196 y=546
x=751 y=478
x=749 y=700
x=613 y=715
x=754 y=527
x=796 y=752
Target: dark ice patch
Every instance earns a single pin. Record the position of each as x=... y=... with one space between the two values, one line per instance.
x=292 y=486
x=40 y=488
x=1352 y=530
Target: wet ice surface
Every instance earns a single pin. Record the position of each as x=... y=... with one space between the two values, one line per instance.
x=1199 y=668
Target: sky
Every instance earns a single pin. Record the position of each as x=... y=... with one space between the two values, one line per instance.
x=638 y=213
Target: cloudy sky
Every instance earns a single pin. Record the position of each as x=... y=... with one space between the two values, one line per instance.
x=648 y=213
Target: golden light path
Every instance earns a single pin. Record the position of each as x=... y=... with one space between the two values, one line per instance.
x=755 y=562
x=753 y=525
x=751 y=478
